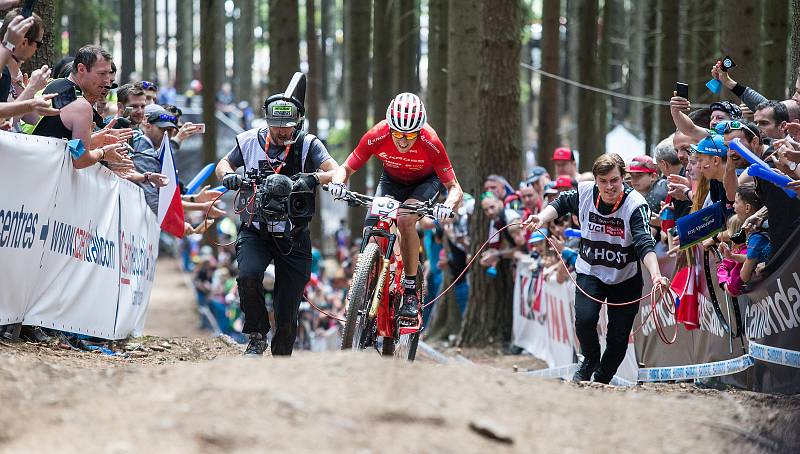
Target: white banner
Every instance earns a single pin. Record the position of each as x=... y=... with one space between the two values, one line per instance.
x=138 y=252
x=544 y=321
x=544 y=317
x=29 y=171
x=61 y=248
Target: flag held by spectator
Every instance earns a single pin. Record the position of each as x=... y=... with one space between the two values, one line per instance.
x=170 y=208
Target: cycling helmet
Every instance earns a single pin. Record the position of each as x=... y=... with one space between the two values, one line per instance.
x=406 y=113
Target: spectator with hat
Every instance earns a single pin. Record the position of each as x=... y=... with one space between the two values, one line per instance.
x=565 y=162
x=565 y=183
x=146 y=156
x=712 y=156
x=644 y=178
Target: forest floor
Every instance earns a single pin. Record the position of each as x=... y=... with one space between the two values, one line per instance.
x=178 y=391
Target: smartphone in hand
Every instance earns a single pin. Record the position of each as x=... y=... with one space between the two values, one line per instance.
x=27 y=9
x=682 y=89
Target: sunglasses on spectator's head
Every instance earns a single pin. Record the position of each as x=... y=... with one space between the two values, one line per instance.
x=149 y=85
x=408 y=135
x=162 y=117
x=735 y=125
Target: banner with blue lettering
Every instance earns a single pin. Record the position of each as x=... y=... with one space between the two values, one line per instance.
x=77 y=247
x=78 y=286
x=29 y=175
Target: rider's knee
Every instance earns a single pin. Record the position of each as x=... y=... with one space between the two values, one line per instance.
x=407 y=224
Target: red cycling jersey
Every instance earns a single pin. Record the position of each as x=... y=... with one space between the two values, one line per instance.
x=425 y=157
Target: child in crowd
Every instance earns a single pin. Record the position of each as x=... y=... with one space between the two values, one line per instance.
x=728 y=269
x=758 y=247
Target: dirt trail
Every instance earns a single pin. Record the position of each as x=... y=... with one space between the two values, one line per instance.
x=200 y=395
x=172 y=311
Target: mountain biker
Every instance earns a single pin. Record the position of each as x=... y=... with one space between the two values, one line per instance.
x=415 y=169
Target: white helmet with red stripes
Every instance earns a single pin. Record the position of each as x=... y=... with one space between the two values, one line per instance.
x=406 y=113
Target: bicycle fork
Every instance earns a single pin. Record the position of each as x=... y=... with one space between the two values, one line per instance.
x=376 y=297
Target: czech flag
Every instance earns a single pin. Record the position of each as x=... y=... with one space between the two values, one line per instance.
x=170 y=207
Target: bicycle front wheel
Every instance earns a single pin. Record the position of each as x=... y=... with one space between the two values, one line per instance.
x=356 y=334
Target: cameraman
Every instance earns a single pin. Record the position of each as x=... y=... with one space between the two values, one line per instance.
x=292 y=152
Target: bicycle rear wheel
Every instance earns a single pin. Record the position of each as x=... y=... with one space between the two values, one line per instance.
x=357 y=333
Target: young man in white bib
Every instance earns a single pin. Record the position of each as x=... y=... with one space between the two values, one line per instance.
x=615 y=238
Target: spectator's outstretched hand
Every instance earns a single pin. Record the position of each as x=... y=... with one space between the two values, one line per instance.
x=679 y=103
x=109 y=135
x=116 y=156
x=41 y=105
x=17 y=29
x=158 y=180
x=207 y=195
x=212 y=210
x=722 y=76
x=187 y=130
x=38 y=80
x=793 y=130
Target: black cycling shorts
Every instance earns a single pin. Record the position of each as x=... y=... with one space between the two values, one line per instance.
x=427 y=189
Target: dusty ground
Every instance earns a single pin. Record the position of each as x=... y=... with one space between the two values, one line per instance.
x=199 y=395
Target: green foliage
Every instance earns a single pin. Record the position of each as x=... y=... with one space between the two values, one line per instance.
x=337 y=143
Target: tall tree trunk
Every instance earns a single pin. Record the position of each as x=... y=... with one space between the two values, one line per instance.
x=314 y=69
x=184 y=45
x=741 y=39
x=612 y=55
x=489 y=314
x=701 y=48
x=82 y=25
x=45 y=55
x=149 y=40
x=406 y=43
x=127 y=26
x=573 y=94
x=381 y=60
x=437 y=67
x=56 y=31
x=588 y=73
x=210 y=19
x=650 y=110
x=164 y=14
x=463 y=137
x=548 y=88
x=284 y=59
x=244 y=50
x=357 y=14
x=313 y=95
x=773 y=50
x=381 y=70
x=795 y=61
x=637 y=22
x=668 y=17
x=326 y=60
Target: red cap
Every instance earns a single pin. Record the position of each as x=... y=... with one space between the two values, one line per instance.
x=564 y=182
x=642 y=164
x=563 y=154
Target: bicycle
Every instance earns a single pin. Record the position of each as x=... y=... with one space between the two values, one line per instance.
x=376 y=289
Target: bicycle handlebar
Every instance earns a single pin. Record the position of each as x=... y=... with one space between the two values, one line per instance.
x=421 y=208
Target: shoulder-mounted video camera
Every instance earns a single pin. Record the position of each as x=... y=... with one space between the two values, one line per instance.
x=273 y=198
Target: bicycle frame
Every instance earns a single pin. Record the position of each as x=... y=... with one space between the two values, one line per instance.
x=387 y=284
